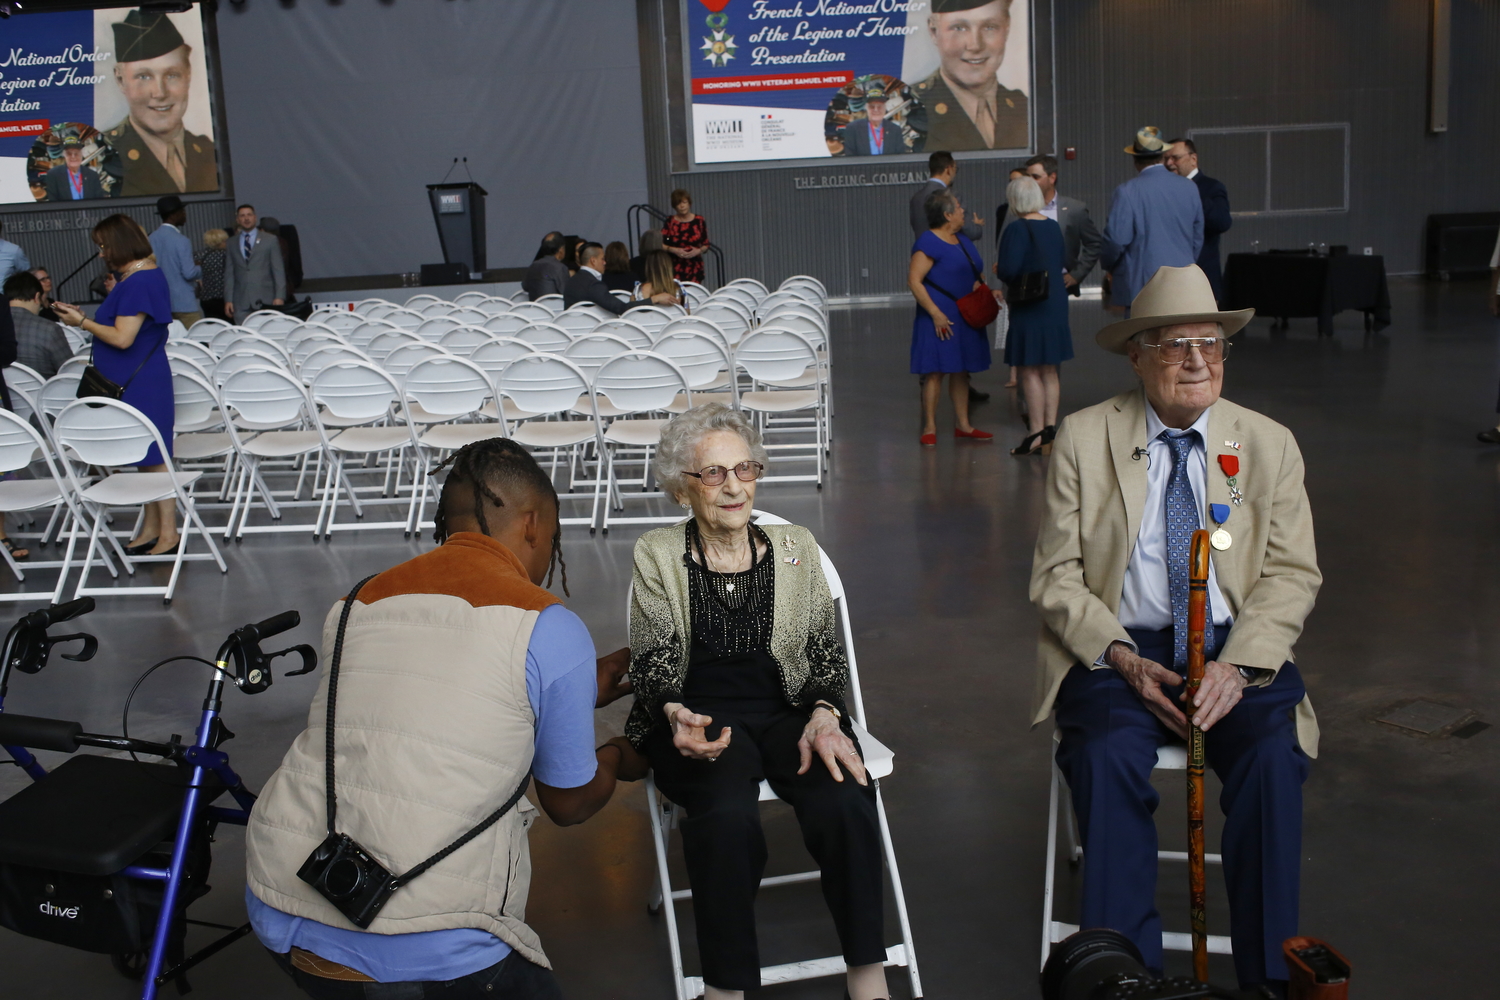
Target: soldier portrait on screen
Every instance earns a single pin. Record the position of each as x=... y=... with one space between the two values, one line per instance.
x=968 y=108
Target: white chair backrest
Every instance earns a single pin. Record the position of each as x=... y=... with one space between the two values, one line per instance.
x=107 y=432
x=593 y=349
x=506 y=324
x=699 y=356
x=652 y=319
x=303 y=331
x=547 y=337
x=389 y=341
x=259 y=318
x=462 y=340
x=19 y=443
x=620 y=294
x=421 y=300
x=222 y=339
x=694 y=293
x=326 y=355
x=73 y=366
x=775 y=355
x=278 y=326
x=469 y=315
x=57 y=392
x=204 y=330
x=432 y=310
x=752 y=286
x=577 y=322
x=519 y=297
x=313 y=342
x=536 y=312
x=807 y=293
x=740 y=296
x=543 y=383
x=367 y=331
x=257 y=342
x=795 y=307
x=810 y=329
x=245 y=357
x=400 y=361
x=699 y=324
x=405 y=318
x=729 y=319
x=780 y=298
x=18 y=376
x=340 y=321
x=353 y=390
x=496 y=354
x=470 y=299
x=447 y=386
x=640 y=381
x=367 y=307
x=265 y=395
x=629 y=330
x=433 y=329
x=179 y=363
x=495 y=307
x=552 y=303
x=806 y=281
x=25 y=404
x=194 y=400
x=176 y=331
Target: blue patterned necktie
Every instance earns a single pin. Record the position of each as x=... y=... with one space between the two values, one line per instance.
x=1183 y=518
x=245 y=245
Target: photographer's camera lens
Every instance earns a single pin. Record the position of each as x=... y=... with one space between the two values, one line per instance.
x=344 y=878
x=1086 y=965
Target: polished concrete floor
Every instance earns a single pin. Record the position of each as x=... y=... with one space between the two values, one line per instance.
x=935 y=546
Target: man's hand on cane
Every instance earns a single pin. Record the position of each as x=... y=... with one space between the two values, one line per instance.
x=1223 y=686
x=1147 y=677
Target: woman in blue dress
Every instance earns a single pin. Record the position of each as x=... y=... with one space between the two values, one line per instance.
x=945 y=266
x=130 y=339
x=1039 y=339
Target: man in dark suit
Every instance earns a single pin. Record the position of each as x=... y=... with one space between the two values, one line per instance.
x=943 y=169
x=588 y=285
x=547 y=275
x=1182 y=159
x=73 y=181
x=876 y=135
x=1081 y=239
x=255 y=275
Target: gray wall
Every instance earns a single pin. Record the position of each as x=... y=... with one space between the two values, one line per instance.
x=341 y=113
x=1180 y=65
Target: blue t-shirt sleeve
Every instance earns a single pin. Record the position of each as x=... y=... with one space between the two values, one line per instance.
x=562 y=683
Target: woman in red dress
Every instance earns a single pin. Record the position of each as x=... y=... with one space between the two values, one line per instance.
x=686 y=238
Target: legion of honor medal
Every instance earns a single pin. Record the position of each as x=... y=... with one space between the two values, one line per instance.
x=718 y=47
x=1231 y=466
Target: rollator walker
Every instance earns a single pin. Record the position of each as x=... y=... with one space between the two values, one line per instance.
x=105 y=853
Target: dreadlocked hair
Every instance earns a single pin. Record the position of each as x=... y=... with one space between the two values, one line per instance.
x=489 y=468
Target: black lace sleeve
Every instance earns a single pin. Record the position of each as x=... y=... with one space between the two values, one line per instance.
x=828 y=664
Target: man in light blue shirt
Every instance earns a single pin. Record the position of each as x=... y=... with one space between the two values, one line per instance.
x=1155 y=221
x=174 y=255
x=12 y=258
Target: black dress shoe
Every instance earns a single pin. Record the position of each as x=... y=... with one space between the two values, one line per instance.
x=1491 y=436
x=140 y=550
x=975 y=396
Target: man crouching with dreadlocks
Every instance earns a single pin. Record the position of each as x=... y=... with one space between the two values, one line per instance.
x=456 y=678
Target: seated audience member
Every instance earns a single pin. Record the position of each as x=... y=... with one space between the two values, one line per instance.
x=460 y=679
x=659 y=277
x=588 y=285
x=617 y=276
x=650 y=241
x=571 y=245
x=45 y=278
x=739 y=675
x=40 y=345
x=547 y=275
x=1110 y=581
x=542 y=251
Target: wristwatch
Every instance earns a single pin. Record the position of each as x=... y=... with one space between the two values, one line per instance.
x=833 y=711
x=1251 y=674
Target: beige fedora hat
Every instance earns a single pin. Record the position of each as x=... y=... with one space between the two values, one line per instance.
x=1148 y=143
x=1173 y=296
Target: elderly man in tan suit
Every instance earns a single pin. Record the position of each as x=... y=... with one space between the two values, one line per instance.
x=1130 y=479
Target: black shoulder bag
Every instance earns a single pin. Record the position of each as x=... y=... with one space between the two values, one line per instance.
x=93 y=382
x=343 y=872
x=1032 y=286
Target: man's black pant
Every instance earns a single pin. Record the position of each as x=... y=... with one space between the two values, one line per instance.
x=725 y=848
x=512 y=978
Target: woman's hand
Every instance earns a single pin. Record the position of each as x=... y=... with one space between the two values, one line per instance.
x=688 y=736
x=942 y=324
x=70 y=315
x=822 y=736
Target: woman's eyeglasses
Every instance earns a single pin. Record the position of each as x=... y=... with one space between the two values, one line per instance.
x=1175 y=352
x=714 y=475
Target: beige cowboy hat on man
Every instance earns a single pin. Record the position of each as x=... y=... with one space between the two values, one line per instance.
x=1173 y=297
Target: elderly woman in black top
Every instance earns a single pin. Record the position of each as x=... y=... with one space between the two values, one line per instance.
x=739 y=676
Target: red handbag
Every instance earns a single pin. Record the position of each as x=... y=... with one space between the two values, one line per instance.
x=979 y=307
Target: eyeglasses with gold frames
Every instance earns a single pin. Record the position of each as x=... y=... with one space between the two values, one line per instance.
x=714 y=475
x=1174 y=352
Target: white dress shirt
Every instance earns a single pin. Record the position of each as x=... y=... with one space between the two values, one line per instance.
x=1050 y=209
x=1146 y=601
x=1193 y=174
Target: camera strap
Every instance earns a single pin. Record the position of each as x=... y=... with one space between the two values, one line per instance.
x=397 y=881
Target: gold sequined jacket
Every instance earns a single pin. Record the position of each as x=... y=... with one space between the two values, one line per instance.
x=804 y=635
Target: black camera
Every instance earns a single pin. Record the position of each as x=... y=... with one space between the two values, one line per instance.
x=349 y=878
x=1101 y=964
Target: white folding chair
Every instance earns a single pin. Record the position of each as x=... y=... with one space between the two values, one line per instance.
x=519 y=297
x=879 y=764
x=275 y=403
x=578 y=321
x=547 y=337
x=432 y=310
x=729 y=317
x=340 y=321
x=255 y=320
x=58 y=391
x=626 y=387
x=694 y=294
x=632 y=332
x=310 y=342
x=406 y=319
x=495 y=306
x=704 y=359
x=552 y=303
x=365 y=307
x=190 y=349
x=109 y=434
x=620 y=294
x=368 y=330
x=469 y=316
x=545 y=384
x=506 y=324
x=493 y=357
x=388 y=341
x=362 y=394
x=20 y=446
x=28 y=380
x=697 y=324
x=781 y=361
x=224 y=338
x=433 y=329
x=325 y=355
x=445 y=390
x=740 y=296
x=470 y=299
x=652 y=319
x=462 y=340
x=277 y=327
x=535 y=312
x=807 y=283
x=254 y=341
x=791 y=304
x=204 y=330
x=244 y=357
x=755 y=288
x=400 y=361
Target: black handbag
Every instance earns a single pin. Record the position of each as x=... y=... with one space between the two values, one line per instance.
x=1032 y=286
x=93 y=382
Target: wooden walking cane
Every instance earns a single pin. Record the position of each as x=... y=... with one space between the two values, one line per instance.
x=1197 y=612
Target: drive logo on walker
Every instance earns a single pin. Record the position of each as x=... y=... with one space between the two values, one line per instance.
x=51 y=909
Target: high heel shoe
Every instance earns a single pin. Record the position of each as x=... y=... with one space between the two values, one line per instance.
x=1026 y=446
x=1048 y=434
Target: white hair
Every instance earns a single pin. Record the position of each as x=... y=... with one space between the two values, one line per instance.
x=1024 y=195
x=680 y=437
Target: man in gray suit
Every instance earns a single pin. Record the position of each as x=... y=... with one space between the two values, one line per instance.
x=255 y=273
x=943 y=170
x=1081 y=239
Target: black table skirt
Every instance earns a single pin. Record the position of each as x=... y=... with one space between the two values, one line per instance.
x=1295 y=285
